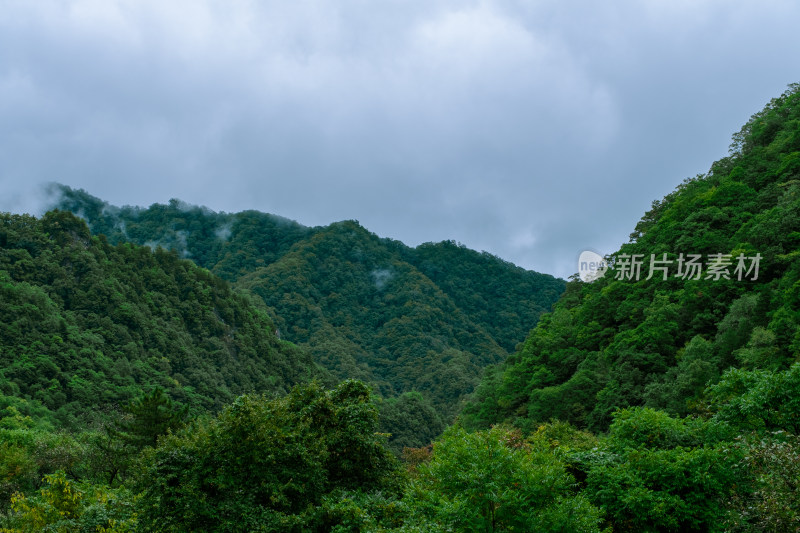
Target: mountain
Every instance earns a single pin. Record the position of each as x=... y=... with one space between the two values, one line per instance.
x=504 y=299
x=682 y=358
x=365 y=313
x=625 y=340
x=85 y=324
x=230 y=245
x=425 y=319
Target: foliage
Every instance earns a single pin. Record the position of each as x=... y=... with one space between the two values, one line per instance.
x=425 y=319
x=85 y=324
x=150 y=416
x=66 y=506
x=267 y=464
x=493 y=481
x=361 y=310
x=772 y=501
x=28 y=453
x=758 y=400
x=658 y=473
x=410 y=421
x=504 y=299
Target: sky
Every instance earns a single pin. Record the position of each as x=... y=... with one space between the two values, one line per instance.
x=533 y=130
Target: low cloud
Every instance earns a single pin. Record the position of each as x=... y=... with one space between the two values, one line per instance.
x=223 y=232
x=381 y=277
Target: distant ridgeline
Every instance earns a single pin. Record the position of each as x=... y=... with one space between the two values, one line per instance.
x=427 y=319
x=622 y=341
x=85 y=324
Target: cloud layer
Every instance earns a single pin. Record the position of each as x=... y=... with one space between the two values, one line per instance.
x=530 y=129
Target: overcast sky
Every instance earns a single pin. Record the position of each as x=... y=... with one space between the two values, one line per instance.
x=529 y=129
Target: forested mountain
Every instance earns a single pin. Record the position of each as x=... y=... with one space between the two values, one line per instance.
x=427 y=319
x=663 y=397
x=504 y=299
x=84 y=324
x=365 y=313
x=229 y=245
x=625 y=340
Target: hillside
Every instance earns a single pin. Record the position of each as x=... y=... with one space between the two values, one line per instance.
x=84 y=324
x=365 y=313
x=428 y=318
x=622 y=341
x=504 y=299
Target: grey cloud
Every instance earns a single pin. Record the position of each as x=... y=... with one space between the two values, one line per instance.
x=530 y=130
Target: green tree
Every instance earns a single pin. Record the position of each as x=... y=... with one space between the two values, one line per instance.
x=663 y=474
x=758 y=400
x=770 y=501
x=493 y=481
x=148 y=418
x=410 y=420
x=267 y=464
x=65 y=506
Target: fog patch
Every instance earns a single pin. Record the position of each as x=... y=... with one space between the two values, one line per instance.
x=178 y=242
x=109 y=210
x=47 y=196
x=180 y=205
x=120 y=226
x=223 y=232
x=181 y=238
x=112 y=213
x=81 y=214
x=186 y=207
x=381 y=277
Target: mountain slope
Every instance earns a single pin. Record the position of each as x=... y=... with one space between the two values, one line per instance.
x=84 y=324
x=622 y=342
x=506 y=300
x=363 y=312
x=428 y=318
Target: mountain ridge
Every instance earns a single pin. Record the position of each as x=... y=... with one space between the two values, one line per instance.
x=364 y=306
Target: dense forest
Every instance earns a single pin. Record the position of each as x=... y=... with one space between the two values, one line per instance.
x=144 y=392
x=86 y=325
x=413 y=322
